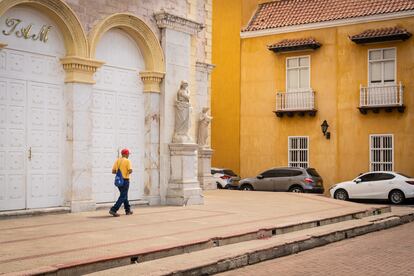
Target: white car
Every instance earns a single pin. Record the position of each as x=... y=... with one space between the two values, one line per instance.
x=376 y=185
x=225 y=178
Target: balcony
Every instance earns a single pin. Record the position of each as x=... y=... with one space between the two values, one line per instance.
x=386 y=97
x=292 y=103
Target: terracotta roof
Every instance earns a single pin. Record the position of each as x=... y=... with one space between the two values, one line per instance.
x=383 y=34
x=282 y=13
x=287 y=45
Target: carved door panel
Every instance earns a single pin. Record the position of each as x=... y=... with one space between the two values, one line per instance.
x=12 y=144
x=44 y=176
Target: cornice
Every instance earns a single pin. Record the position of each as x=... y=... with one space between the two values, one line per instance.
x=204 y=67
x=152 y=81
x=80 y=69
x=167 y=20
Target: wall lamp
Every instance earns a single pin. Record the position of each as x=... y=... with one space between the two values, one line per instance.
x=325 y=131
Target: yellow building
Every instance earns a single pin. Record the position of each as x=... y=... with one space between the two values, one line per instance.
x=285 y=67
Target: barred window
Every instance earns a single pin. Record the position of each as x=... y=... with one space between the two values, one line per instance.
x=298 y=148
x=381 y=152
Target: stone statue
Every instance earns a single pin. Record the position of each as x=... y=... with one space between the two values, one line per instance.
x=203 y=123
x=182 y=115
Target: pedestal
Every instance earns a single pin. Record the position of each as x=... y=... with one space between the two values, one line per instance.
x=204 y=169
x=183 y=187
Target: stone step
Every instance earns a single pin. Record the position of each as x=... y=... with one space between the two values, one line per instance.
x=232 y=256
x=276 y=228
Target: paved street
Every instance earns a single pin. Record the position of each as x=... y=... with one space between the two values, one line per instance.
x=387 y=252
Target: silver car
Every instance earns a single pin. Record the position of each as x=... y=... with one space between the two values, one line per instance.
x=287 y=179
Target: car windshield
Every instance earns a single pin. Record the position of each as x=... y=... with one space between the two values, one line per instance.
x=404 y=175
x=312 y=172
x=229 y=172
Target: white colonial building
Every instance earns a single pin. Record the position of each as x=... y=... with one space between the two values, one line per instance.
x=79 y=82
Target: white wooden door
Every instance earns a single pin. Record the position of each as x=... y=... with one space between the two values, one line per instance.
x=117 y=115
x=31 y=130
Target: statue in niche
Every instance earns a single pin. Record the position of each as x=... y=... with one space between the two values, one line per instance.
x=182 y=115
x=203 y=123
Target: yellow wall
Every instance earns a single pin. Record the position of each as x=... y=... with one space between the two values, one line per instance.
x=225 y=95
x=337 y=70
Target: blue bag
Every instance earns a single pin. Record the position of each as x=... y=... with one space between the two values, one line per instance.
x=119 y=179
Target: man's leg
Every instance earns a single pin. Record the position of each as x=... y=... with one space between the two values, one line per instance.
x=121 y=199
x=126 y=202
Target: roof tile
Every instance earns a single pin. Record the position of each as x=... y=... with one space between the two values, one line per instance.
x=282 y=13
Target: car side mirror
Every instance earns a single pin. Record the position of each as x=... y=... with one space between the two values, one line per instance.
x=358 y=180
x=260 y=176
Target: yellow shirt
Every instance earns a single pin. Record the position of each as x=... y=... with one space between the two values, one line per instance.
x=125 y=166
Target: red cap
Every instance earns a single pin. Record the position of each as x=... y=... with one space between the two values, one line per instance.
x=125 y=152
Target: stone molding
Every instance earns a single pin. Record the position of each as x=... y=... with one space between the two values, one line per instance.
x=204 y=67
x=72 y=31
x=188 y=149
x=151 y=80
x=80 y=70
x=205 y=152
x=167 y=20
x=144 y=37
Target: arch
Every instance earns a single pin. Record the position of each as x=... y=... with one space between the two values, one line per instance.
x=75 y=40
x=139 y=31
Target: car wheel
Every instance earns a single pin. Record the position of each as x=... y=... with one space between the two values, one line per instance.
x=396 y=197
x=341 y=194
x=219 y=186
x=246 y=187
x=296 y=189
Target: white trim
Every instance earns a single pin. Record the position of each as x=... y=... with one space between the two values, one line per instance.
x=382 y=67
x=290 y=150
x=370 y=150
x=327 y=24
x=286 y=68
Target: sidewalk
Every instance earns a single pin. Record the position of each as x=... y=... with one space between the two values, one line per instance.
x=56 y=242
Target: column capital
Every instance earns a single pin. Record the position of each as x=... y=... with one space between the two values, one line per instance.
x=79 y=69
x=204 y=67
x=168 y=20
x=151 y=80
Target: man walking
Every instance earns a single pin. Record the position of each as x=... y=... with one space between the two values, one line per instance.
x=126 y=169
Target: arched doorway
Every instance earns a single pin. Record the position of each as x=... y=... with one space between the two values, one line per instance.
x=117 y=114
x=32 y=135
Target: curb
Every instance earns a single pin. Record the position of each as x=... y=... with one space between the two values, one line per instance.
x=290 y=248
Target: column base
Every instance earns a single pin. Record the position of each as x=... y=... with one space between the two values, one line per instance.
x=82 y=206
x=153 y=200
x=182 y=194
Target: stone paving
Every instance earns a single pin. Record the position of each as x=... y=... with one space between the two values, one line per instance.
x=387 y=252
x=65 y=239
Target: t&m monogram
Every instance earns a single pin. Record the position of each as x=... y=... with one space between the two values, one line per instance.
x=16 y=27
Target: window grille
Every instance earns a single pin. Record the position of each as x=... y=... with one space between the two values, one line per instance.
x=381 y=152
x=298 y=148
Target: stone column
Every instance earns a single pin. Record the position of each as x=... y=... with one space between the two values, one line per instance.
x=152 y=81
x=176 y=43
x=78 y=94
x=203 y=71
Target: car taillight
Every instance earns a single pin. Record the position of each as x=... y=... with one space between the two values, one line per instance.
x=410 y=182
x=225 y=177
x=308 y=180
